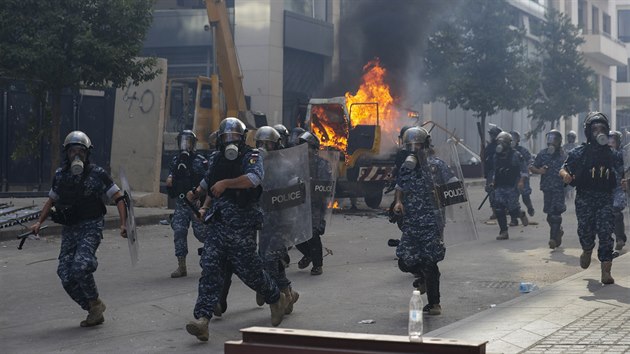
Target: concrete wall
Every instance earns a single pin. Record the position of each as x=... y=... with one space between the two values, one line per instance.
x=137 y=137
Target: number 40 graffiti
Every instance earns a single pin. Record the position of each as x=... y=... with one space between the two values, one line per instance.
x=145 y=101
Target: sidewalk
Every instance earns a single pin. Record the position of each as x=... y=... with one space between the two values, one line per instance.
x=575 y=315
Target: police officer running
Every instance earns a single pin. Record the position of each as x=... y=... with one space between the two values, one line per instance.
x=185 y=172
x=619 y=195
x=421 y=246
x=75 y=200
x=508 y=178
x=592 y=168
x=488 y=166
x=320 y=170
x=231 y=209
x=527 y=190
x=547 y=164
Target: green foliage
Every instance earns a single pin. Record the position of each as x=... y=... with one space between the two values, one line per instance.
x=477 y=60
x=565 y=89
x=53 y=45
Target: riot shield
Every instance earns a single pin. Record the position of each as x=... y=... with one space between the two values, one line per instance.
x=286 y=199
x=459 y=224
x=132 y=235
x=324 y=167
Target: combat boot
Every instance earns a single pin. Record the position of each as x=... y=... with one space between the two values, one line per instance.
x=524 y=219
x=503 y=235
x=293 y=297
x=528 y=203
x=585 y=258
x=432 y=310
x=260 y=299
x=199 y=328
x=95 y=314
x=278 y=309
x=513 y=221
x=606 y=277
x=619 y=245
x=181 y=268
x=317 y=270
x=304 y=262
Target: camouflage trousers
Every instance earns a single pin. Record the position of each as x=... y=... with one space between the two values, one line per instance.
x=554 y=202
x=77 y=260
x=594 y=211
x=182 y=218
x=272 y=262
x=230 y=245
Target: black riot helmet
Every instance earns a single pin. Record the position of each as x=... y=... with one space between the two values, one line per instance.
x=614 y=139
x=596 y=128
x=284 y=133
x=516 y=137
x=554 y=137
x=494 y=132
x=416 y=139
x=231 y=130
x=571 y=137
x=186 y=140
x=310 y=139
x=268 y=138
x=294 y=137
x=402 y=133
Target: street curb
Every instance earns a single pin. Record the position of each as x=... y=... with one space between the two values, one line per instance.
x=53 y=229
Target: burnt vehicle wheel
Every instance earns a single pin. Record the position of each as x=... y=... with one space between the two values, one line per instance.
x=374 y=198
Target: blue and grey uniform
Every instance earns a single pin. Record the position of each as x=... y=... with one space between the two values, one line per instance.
x=619 y=204
x=569 y=189
x=421 y=246
x=508 y=169
x=595 y=171
x=488 y=171
x=186 y=174
x=231 y=233
x=80 y=237
x=527 y=189
x=320 y=170
x=552 y=186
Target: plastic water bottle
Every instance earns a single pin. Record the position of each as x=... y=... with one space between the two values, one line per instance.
x=415 y=317
x=527 y=287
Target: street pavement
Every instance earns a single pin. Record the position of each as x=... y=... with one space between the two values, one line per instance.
x=147 y=310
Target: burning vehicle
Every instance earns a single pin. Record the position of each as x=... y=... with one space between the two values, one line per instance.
x=364 y=127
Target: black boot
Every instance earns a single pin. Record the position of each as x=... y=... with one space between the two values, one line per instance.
x=528 y=203
x=555 y=230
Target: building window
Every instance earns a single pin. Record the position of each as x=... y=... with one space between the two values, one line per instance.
x=535 y=26
x=595 y=20
x=606 y=96
x=606 y=23
x=623 y=25
x=622 y=73
x=311 y=8
x=581 y=14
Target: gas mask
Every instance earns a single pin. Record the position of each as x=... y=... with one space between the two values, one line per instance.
x=231 y=152
x=76 y=167
x=551 y=148
x=599 y=133
x=502 y=147
x=410 y=162
x=513 y=143
x=231 y=142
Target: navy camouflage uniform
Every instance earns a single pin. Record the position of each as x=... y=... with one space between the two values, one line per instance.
x=183 y=215
x=594 y=197
x=569 y=190
x=508 y=170
x=552 y=186
x=527 y=189
x=79 y=241
x=490 y=152
x=312 y=249
x=619 y=203
x=231 y=240
x=421 y=246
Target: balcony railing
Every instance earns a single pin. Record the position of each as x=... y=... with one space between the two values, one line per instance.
x=605 y=34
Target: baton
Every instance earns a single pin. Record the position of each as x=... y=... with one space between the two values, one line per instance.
x=483 y=201
x=192 y=206
x=26 y=235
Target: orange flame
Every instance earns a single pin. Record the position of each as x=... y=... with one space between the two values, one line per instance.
x=334 y=205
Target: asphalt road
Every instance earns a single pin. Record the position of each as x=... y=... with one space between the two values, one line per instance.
x=147 y=310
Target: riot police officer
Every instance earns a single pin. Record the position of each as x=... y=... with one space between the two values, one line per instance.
x=619 y=196
x=75 y=200
x=233 y=216
x=547 y=164
x=592 y=168
x=488 y=166
x=284 y=135
x=294 y=137
x=421 y=246
x=508 y=178
x=185 y=172
x=569 y=191
x=320 y=170
x=527 y=190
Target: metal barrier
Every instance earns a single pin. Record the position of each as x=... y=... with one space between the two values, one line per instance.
x=265 y=340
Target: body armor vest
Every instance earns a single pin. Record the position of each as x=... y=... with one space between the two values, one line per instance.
x=185 y=176
x=597 y=172
x=223 y=168
x=506 y=173
x=73 y=205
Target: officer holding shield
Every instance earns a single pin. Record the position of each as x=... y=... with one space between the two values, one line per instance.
x=233 y=215
x=592 y=168
x=185 y=172
x=527 y=190
x=488 y=166
x=75 y=200
x=547 y=164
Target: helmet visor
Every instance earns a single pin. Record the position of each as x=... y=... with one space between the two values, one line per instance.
x=413 y=147
x=227 y=138
x=267 y=145
x=553 y=139
x=186 y=143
